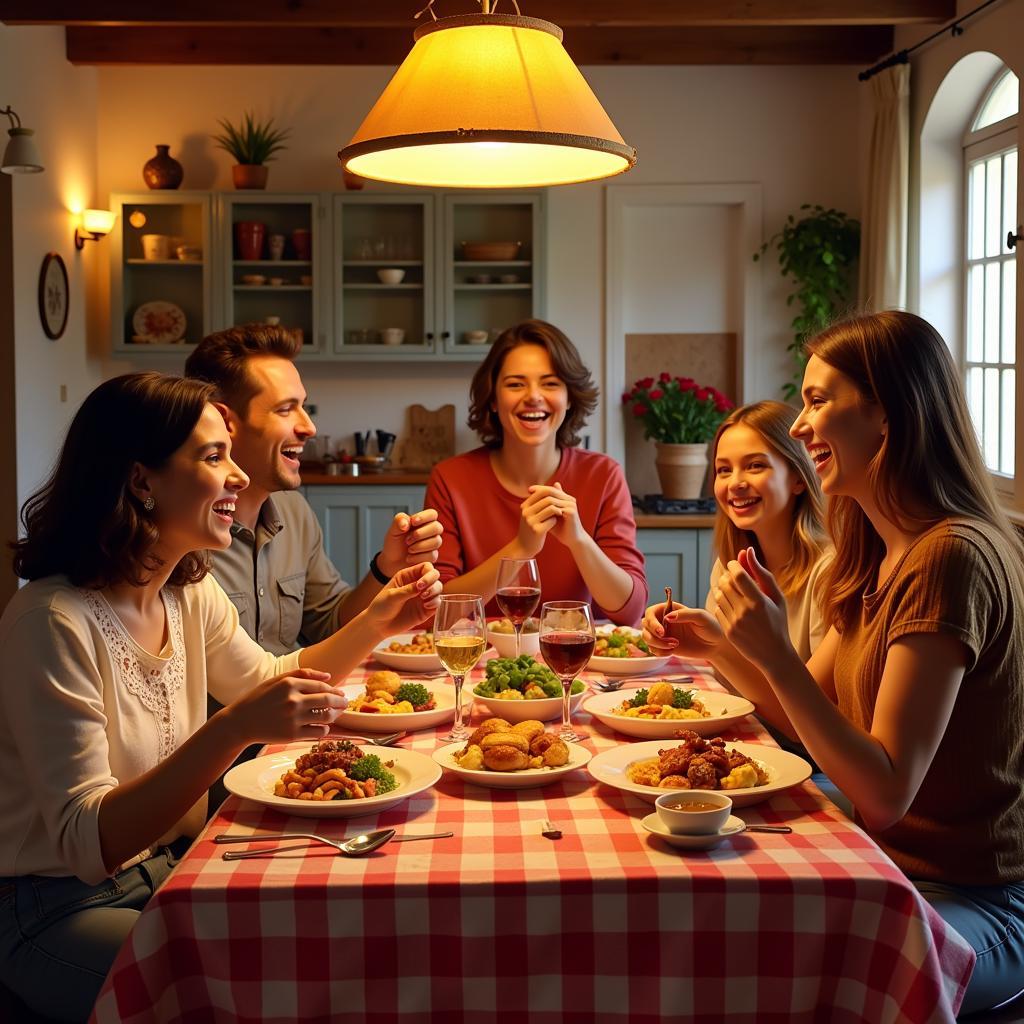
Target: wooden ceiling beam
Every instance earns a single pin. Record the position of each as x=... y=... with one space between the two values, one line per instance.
x=587 y=46
x=399 y=13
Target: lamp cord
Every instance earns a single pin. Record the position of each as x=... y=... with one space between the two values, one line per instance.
x=15 y=120
x=955 y=28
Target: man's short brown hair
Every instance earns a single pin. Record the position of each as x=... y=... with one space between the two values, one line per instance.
x=222 y=359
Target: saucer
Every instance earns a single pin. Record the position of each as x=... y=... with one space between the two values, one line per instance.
x=732 y=827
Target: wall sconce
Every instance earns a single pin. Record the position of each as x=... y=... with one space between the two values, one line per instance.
x=95 y=224
x=21 y=155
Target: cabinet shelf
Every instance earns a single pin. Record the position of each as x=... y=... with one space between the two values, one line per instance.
x=374 y=286
x=164 y=263
x=498 y=287
x=492 y=263
x=272 y=263
x=382 y=263
x=273 y=287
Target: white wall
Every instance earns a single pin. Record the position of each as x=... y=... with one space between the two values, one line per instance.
x=58 y=101
x=794 y=130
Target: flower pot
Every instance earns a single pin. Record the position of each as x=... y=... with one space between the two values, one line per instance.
x=250 y=175
x=162 y=170
x=249 y=239
x=681 y=469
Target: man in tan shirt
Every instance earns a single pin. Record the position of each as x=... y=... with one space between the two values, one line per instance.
x=286 y=590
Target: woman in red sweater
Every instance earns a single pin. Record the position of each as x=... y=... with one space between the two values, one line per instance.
x=529 y=491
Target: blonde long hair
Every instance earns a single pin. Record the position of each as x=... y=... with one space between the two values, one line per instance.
x=772 y=420
x=929 y=466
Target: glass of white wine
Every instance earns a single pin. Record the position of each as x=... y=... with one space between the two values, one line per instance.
x=459 y=627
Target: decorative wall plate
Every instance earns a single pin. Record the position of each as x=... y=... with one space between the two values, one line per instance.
x=53 y=295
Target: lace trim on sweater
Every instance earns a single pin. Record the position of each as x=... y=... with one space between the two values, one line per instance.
x=154 y=680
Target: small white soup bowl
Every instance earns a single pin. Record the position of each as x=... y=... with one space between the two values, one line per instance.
x=390 y=275
x=686 y=811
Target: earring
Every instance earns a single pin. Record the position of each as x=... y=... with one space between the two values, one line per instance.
x=149 y=504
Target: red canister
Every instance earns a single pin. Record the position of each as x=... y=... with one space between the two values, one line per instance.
x=249 y=236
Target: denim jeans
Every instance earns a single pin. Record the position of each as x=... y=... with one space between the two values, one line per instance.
x=59 y=936
x=991 y=919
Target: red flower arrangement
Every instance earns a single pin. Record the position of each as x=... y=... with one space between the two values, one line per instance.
x=677 y=410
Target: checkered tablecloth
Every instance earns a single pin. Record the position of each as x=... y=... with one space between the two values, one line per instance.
x=502 y=925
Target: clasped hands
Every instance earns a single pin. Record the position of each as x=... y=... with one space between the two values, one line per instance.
x=548 y=509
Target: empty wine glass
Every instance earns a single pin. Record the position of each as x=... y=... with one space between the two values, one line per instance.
x=518 y=592
x=459 y=626
x=566 y=643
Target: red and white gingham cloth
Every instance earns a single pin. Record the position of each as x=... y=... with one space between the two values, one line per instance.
x=502 y=925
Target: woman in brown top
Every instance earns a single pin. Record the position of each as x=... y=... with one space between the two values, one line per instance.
x=914 y=701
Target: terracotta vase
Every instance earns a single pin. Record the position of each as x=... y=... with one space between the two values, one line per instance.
x=249 y=236
x=302 y=242
x=162 y=170
x=681 y=469
x=250 y=175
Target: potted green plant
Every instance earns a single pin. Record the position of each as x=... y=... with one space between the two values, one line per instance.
x=820 y=251
x=681 y=417
x=252 y=144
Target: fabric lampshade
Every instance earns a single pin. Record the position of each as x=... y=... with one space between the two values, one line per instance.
x=487 y=101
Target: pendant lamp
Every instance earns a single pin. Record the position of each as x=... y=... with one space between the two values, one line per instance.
x=487 y=101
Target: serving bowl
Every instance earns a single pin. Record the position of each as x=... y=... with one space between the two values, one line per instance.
x=390 y=275
x=547 y=709
x=505 y=643
x=490 y=250
x=254 y=279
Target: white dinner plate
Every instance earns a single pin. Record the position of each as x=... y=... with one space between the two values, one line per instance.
x=365 y=721
x=733 y=827
x=545 y=709
x=625 y=666
x=784 y=770
x=255 y=779
x=159 y=322
x=724 y=707
x=527 y=778
x=406 y=662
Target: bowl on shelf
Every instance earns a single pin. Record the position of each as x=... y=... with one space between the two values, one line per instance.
x=476 y=337
x=491 y=250
x=390 y=275
x=479 y=279
x=189 y=253
x=306 y=279
x=392 y=335
x=277 y=281
x=509 y=278
x=254 y=279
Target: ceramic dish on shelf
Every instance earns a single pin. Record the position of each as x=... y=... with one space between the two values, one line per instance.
x=254 y=780
x=725 y=708
x=732 y=827
x=363 y=721
x=159 y=322
x=491 y=251
x=527 y=778
x=254 y=279
x=784 y=770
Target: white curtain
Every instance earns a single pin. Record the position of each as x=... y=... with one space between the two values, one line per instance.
x=883 y=247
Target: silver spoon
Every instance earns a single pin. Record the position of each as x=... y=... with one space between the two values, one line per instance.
x=357 y=846
x=610 y=685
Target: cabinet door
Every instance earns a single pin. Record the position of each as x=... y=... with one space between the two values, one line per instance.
x=354 y=520
x=158 y=299
x=487 y=289
x=383 y=276
x=272 y=246
x=679 y=559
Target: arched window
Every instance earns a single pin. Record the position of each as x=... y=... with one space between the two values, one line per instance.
x=990 y=342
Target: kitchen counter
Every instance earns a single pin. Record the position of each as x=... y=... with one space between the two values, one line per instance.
x=395 y=477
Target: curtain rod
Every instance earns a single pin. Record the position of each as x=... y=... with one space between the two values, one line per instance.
x=902 y=56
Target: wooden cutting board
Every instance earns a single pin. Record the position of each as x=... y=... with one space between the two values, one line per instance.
x=431 y=437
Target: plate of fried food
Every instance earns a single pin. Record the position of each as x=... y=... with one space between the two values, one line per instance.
x=659 y=710
x=386 y=702
x=619 y=651
x=747 y=772
x=501 y=755
x=333 y=779
x=409 y=652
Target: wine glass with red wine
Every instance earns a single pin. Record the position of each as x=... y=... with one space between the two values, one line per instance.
x=566 y=644
x=518 y=592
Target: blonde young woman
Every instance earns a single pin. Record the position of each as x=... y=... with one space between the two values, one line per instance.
x=914 y=701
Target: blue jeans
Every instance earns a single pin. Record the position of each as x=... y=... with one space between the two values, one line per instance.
x=991 y=919
x=59 y=936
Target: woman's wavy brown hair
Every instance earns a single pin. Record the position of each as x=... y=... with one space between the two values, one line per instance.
x=772 y=420
x=566 y=360
x=84 y=522
x=929 y=466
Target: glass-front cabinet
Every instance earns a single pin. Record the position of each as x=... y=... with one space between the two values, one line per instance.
x=369 y=276
x=271 y=249
x=162 y=273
